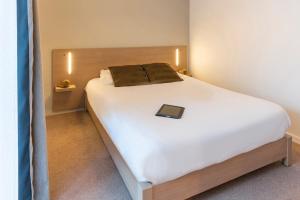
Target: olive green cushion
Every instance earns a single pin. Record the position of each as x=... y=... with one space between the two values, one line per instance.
x=161 y=73
x=129 y=75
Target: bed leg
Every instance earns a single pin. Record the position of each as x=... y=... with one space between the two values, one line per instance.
x=287 y=161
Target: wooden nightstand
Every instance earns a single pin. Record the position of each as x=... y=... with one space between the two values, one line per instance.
x=184 y=72
x=70 y=88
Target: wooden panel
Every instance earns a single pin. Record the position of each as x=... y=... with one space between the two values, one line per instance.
x=87 y=64
x=201 y=180
x=207 y=178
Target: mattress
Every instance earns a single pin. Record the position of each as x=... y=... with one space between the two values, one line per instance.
x=217 y=125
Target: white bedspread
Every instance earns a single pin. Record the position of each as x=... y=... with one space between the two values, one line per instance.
x=217 y=124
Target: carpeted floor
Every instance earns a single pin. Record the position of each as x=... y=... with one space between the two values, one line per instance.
x=80 y=168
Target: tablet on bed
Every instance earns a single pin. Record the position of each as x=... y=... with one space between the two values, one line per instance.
x=170 y=111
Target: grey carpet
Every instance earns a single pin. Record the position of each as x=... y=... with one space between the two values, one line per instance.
x=81 y=169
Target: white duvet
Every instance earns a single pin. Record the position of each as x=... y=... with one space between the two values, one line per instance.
x=217 y=124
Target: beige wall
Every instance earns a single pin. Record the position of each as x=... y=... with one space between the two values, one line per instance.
x=109 y=23
x=252 y=46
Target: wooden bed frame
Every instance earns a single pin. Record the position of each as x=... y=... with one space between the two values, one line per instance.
x=201 y=180
x=87 y=64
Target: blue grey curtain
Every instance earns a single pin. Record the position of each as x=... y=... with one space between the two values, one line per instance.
x=33 y=166
x=25 y=191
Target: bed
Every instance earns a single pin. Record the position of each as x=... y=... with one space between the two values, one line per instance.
x=221 y=136
x=217 y=125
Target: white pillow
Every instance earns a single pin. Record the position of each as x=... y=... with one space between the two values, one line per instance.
x=105 y=77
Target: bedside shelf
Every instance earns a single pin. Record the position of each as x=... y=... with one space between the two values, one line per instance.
x=68 y=89
x=184 y=71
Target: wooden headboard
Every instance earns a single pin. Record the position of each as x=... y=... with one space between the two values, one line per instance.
x=87 y=63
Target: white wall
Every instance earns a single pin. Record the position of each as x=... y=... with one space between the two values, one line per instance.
x=8 y=101
x=109 y=23
x=251 y=46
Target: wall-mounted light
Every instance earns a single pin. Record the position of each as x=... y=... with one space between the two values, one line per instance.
x=177 y=58
x=66 y=85
x=70 y=63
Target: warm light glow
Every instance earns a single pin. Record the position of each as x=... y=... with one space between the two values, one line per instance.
x=177 y=57
x=70 y=63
